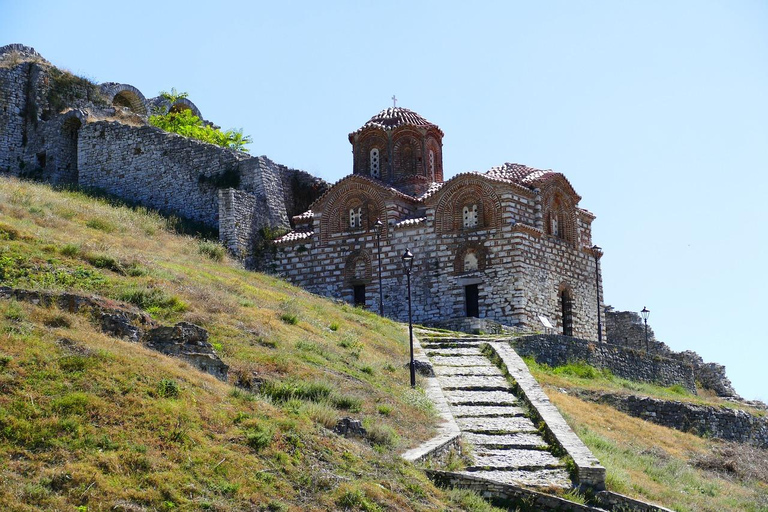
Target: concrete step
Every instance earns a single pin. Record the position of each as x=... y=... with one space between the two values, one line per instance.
x=505 y=441
x=487 y=411
x=514 y=459
x=467 y=370
x=459 y=361
x=496 y=425
x=473 y=382
x=460 y=351
x=542 y=478
x=471 y=397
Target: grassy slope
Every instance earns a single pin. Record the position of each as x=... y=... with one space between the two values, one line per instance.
x=93 y=422
x=675 y=469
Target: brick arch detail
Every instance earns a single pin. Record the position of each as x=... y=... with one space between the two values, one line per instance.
x=350 y=267
x=407 y=154
x=336 y=209
x=374 y=138
x=463 y=249
x=434 y=145
x=560 y=206
x=448 y=209
x=125 y=95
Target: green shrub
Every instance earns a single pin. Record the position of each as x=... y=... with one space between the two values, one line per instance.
x=258 y=437
x=345 y=402
x=189 y=125
x=579 y=369
x=211 y=249
x=168 y=388
x=152 y=298
x=284 y=391
x=14 y=312
x=289 y=318
x=8 y=233
x=5 y=361
x=334 y=326
x=101 y=225
x=384 y=409
x=105 y=261
x=71 y=250
x=74 y=363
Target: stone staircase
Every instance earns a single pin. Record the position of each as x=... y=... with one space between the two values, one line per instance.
x=506 y=445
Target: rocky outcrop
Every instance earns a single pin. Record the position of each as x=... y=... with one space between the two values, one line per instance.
x=184 y=340
x=190 y=343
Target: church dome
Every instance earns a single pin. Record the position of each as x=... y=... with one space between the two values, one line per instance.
x=391 y=118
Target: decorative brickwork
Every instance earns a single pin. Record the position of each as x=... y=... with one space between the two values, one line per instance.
x=479 y=238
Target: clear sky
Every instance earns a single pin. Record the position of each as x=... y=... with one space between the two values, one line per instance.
x=656 y=111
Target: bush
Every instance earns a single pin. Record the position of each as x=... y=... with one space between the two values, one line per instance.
x=168 y=388
x=211 y=249
x=284 y=391
x=579 y=369
x=189 y=125
x=289 y=318
x=105 y=261
x=101 y=225
x=70 y=250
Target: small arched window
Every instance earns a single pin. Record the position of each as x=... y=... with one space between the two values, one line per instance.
x=356 y=217
x=470 y=261
x=431 y=165
x=470 y=216
x=555 y=226
x=375 y=163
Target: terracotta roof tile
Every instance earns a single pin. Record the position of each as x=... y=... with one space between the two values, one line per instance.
x=391 y=118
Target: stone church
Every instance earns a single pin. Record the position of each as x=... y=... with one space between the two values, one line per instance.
x=509 y=246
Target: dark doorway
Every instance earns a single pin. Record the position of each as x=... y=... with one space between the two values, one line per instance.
x=472 y=300
x=359 y=292
x=566 y=306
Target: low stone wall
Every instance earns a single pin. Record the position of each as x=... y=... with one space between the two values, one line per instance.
x=507 y=494
x=625 y=362
x=589 y=472
x=721 y=423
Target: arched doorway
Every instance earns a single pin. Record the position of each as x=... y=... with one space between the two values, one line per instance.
x=566 y=310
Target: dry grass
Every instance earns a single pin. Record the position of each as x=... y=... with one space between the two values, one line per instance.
x=94 y=422
x=674 y=469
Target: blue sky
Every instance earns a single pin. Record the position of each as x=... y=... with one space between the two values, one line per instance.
x=656 y=111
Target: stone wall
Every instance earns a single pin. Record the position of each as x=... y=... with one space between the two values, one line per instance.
x=521 y=269
x=627 y=329
x=623 y=362
x=173 y=173
x=721 y=423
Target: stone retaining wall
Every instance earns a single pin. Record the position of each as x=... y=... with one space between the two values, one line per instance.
x=721 y=423
x=625 y=362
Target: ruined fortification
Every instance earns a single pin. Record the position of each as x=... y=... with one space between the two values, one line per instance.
x=63 y=129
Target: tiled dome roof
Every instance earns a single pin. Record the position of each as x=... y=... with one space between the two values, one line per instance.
x=518 y=173
x=391 y=118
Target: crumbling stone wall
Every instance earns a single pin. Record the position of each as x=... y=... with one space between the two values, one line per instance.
x=627 y=329
x=721 y=423
x=623 y=362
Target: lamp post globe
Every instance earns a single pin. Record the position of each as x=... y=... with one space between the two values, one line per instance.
x=644 y=313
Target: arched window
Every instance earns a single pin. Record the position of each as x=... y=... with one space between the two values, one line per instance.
x=554 y=226
x=374 y=163
x=431 y=165
x=470 y=216
x=470 y=261
x=356 y=217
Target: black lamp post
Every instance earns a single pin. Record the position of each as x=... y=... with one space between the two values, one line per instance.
x=408 y=266
x=644 y=313
x=377 y=228
x=597 y=252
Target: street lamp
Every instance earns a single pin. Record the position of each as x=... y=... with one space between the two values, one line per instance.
x=408 y=266
x=377 y=228
x=597 y=252
x=644 y=313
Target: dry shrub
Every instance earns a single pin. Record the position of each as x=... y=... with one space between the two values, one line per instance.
x=742 y=461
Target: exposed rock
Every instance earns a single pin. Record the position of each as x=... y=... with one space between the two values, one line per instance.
x=120 y=326
x=349 y=427
x=424 y=368
x=189 y=342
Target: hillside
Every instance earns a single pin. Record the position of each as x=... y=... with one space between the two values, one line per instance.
x=679 y=470
x=90 y=421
